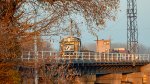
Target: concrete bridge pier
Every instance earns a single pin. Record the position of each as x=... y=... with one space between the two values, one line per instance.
x=85 y=79
x=146 y=78
x=133 y=78
x=146 y=71
x=109 y=79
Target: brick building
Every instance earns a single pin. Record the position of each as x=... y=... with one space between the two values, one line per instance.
x=103 y=46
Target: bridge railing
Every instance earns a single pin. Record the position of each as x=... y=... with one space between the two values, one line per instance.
x=110 y=57
x=85 y=56
x=40 y=55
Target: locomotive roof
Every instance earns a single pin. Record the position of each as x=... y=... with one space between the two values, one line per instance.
x=74 y=38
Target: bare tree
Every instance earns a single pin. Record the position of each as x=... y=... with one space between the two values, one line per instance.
x=21 y=19
x=95 y=12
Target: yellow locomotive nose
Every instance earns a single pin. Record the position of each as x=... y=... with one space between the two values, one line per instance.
x=69 y=45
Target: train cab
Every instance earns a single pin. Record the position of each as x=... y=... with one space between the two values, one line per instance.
x=70 y=45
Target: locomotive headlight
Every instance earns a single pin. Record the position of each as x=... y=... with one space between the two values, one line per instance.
x=69 y=39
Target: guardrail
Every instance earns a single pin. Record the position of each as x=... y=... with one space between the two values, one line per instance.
x=85 y=56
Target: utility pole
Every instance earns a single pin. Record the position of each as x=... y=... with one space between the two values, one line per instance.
x=97 y=49
x=35 y=50
x=132 y=29
x=71 y=24
x=36 y=60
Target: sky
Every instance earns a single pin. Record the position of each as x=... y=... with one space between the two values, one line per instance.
x=117 y=30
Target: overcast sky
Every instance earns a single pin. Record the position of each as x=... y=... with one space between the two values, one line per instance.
x=118 y=30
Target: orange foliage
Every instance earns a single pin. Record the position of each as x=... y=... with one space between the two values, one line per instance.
x=13 y=31
x=9 y=45
x=27 y=44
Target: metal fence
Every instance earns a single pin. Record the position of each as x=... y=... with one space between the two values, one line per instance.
x=89 y=56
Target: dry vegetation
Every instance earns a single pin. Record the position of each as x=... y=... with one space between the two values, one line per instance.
x=17 y=22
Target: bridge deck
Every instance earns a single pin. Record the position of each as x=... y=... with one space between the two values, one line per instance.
x=87 y=62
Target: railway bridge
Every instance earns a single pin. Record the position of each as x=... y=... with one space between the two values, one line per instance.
x=110 y=68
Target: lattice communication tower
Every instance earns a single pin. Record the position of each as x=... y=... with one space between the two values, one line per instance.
x=132 y=28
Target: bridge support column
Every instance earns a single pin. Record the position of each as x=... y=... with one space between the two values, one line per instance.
x=109 y=79
x=85 y=79
x=146 y=78
x=146 y=70
x=133 y=78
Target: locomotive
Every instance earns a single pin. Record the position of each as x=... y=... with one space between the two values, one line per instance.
x=70 y=45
